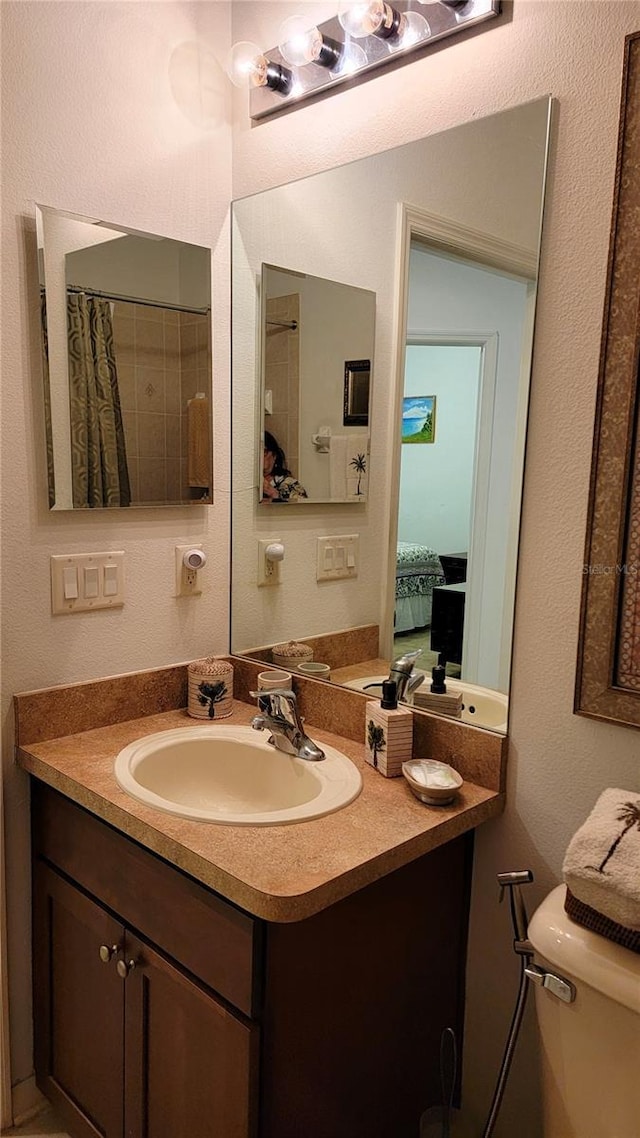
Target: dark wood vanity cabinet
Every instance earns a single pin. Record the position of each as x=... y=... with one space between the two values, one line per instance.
x=163 y=1011
x=127 y=1042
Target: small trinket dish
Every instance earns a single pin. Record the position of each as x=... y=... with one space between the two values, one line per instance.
x=432 y=782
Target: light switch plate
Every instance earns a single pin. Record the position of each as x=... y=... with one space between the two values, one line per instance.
x=90 y=576
x=337 y=557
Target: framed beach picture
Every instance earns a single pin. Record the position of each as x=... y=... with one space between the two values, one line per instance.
x=419 y=419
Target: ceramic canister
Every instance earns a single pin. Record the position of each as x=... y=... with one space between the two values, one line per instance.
x=290 y=655
x=273 y=680
x=315 y=670
x=210 y=688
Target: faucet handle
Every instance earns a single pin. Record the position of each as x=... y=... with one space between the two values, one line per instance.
x=268 y=699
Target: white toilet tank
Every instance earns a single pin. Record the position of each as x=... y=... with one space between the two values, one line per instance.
x=590 y=1048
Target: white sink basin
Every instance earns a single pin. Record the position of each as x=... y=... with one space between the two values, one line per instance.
x=481 y=706
x=234 y=776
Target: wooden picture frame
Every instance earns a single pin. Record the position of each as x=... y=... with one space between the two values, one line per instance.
x=357 y=389
x=608 y=672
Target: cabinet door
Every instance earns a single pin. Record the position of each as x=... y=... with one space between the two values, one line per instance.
x=190 y=1064
x=78 y=1006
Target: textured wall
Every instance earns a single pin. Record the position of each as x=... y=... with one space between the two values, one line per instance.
x=558 y=763
x=119 y=111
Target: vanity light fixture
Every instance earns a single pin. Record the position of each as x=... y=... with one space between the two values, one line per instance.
x=363 y=36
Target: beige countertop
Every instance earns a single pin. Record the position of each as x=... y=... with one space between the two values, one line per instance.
x=279 y=873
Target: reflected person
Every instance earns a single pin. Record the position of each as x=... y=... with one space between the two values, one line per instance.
x=278 y=483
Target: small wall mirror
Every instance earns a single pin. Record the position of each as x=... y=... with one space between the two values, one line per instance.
x=126 y=343
x=314 y=395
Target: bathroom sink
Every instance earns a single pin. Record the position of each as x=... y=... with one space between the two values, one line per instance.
x=232 y=775
x=481 y=706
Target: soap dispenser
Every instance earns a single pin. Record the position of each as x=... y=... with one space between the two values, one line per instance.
x=438 y=676
x=388 y=732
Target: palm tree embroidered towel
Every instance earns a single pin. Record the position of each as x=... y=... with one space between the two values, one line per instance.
x=602 y=863
x=349 y=467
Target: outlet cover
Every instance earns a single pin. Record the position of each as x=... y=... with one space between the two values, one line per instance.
x=188 y=582
x=268 y=571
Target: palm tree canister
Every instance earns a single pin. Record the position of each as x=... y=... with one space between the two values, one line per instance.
x=210 y=693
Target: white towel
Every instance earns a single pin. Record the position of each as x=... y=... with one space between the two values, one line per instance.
x=602 y=862
x=346 y=454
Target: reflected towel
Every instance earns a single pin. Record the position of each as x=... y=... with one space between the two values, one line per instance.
x=198 y=447
x=602 y=863
x=349 y=467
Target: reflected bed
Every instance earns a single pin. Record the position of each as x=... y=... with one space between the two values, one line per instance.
x=418 y=571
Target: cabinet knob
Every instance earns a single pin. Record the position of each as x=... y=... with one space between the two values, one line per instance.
x=124 y=967
x=107 y=952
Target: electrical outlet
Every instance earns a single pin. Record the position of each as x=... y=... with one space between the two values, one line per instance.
x=268 y=569
x=187 y=580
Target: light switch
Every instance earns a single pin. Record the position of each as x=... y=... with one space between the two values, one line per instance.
x=86 y=581
x=110 y=580
x=337 y=557
x=70 y=583
x=91 y=581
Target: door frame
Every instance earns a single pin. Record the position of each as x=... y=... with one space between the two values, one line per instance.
x=441 y=235
x=487 y=342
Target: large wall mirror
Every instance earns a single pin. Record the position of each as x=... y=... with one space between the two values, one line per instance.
x=126 y=346
x=443 y=235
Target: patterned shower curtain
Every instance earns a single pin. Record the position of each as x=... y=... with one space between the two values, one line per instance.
x=98 y=457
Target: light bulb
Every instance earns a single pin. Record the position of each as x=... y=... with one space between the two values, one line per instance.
x=300 y=44
x=370 y=18
x=248 y=67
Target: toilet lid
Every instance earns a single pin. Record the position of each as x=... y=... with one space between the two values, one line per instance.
x=586 y=956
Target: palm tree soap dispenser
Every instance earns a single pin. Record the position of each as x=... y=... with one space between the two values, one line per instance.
x=210 y=693
x=389 y=733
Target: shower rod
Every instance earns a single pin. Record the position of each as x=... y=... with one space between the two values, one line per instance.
x=291 y=324
x=138 y=300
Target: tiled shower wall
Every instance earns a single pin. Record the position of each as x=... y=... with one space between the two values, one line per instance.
x=163 y=360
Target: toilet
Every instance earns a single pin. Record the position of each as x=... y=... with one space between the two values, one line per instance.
x=590 y=1048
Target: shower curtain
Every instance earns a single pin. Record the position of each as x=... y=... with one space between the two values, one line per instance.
x=98 y=456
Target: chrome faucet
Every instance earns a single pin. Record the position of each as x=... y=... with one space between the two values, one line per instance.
x=278 y=712
x=401 y=671
x=403 y=675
